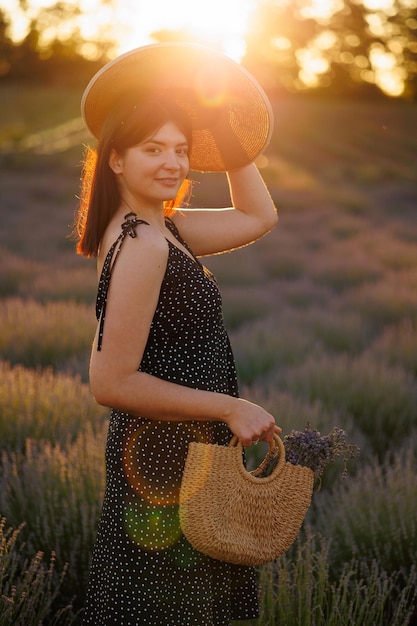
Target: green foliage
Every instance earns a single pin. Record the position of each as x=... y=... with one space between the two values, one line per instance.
x=31 y=108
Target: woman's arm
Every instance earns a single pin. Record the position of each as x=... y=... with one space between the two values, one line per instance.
x=153 y=398
x=210 y=231
x=114 y=377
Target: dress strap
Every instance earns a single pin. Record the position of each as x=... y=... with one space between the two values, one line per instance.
x=174 y=230
x=128 y=228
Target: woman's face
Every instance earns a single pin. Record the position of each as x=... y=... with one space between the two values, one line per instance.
x=153 y=171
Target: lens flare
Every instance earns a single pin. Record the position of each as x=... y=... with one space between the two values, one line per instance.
x=152 y=528
x=210 y=84
x=153 y=459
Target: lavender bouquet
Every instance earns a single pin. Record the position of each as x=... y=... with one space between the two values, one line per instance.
x=311 y=449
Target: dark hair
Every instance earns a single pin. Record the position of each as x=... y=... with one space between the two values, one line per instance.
x=128 y=124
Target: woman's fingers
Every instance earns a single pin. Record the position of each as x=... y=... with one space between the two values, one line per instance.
x=275 y=430
x=251 y=423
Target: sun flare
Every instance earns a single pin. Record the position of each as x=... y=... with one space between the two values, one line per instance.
x=223 y=24
x=216 y=22
x=130 y=23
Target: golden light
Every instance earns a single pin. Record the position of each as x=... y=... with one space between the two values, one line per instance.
x=223 y=24
x=321 y=9
x=19 y=23
x=217 y=22
x=130 y=23
x=313 y=64
x=388 y=75
x=312 y=60
x=387 y=6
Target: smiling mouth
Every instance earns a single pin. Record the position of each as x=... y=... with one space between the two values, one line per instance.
x=168 y=181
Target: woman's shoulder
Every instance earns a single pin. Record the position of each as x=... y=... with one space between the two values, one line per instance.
x=145 y=244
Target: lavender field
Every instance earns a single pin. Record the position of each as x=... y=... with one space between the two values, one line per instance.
x=322 y=315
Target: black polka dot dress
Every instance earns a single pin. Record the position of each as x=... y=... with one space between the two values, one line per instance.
x=144 y=571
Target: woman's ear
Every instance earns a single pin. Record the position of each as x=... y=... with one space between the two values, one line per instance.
x=115 y=162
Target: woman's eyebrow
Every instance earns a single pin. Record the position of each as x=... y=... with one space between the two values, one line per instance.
x=161 y=143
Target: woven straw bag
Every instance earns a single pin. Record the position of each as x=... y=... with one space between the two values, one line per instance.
x=235 y=516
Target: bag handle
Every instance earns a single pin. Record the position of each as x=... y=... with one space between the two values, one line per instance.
x=276 y=448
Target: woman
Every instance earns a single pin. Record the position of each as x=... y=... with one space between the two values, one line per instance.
x=161 y=359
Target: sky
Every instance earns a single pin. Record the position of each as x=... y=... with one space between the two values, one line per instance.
x=219 y=22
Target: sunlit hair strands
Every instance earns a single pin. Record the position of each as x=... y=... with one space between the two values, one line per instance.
x=128 y=124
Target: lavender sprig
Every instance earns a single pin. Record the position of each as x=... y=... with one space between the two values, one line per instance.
x=311 y=449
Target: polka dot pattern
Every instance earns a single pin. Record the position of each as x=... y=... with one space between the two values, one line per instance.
x=144 y=571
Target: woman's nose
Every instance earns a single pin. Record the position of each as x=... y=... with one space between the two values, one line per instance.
x=172 y=160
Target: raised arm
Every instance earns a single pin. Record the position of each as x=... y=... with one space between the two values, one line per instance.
x=253 y=214
x=114 y=376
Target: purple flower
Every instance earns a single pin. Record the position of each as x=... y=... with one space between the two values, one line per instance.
x=311 y=449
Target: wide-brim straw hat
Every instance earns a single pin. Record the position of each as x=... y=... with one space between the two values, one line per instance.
x=231 y=115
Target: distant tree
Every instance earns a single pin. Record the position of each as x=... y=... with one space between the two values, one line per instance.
x=403 y=43
x=354 y=50
x=363 y=35
x=53 y=49
x=6 y=45
x=277 y=31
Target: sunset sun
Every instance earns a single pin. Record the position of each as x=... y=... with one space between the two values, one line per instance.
x=219 y=23
x=107 y=28
x=130 y=23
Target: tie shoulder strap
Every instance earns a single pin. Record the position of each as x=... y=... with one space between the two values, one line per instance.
x=128 y=228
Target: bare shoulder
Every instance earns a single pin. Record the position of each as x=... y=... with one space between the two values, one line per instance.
x=148 y=247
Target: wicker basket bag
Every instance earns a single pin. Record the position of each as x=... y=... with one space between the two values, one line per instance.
x=235 y=516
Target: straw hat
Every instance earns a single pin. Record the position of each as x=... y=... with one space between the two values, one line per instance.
x=231 y=115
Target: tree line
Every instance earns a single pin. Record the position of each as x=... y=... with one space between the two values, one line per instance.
x=353 y=51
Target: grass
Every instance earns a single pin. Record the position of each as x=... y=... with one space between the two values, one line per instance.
x=298 y=590
x=322 y=314
x=58 y=491
x=48 y=334
x=398 y=345
x=381 y=399
x=32 y=109
x=29 y=587
x=42 y=405
x=373 y=518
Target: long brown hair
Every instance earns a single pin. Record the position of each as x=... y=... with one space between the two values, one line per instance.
x=127 y=125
